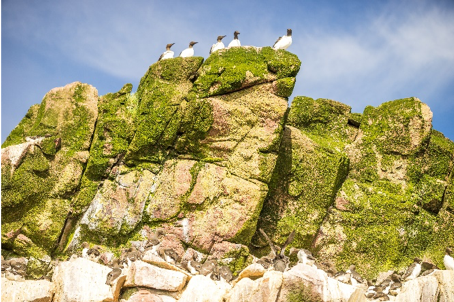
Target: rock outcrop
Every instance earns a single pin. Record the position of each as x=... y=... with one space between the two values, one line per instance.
x=204 y=153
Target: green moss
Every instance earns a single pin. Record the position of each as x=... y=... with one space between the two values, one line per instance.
x=17 y=136
x=161 y=92
x=303 y=293
x=48 y=145
x=241 y=259
x=284 y=87
x=239 y=67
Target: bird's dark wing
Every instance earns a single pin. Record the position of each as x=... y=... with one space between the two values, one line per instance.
x=409 y=270
x=278 y=39
x=268 y=240
x=161 y=57
x=287 y=242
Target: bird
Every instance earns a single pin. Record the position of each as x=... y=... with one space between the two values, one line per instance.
x=94 y=253
x=218 y=45
x=114 y=273
x=168 y=54
x=355 y=278
x=85 y=248
x=413 y=270
x=284 y=42
x=192 y=266
x=448 y=261
x=235 y=42
x=305 y=257
x=208 y=267
x=188 y=52
x=225 y=273
x=343 y=277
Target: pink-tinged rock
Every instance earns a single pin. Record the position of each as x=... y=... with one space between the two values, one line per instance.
x=151 y=258
x=437 y=287
x=254 y=270
x=265 y=289
x=208 y=184
x=203 y=289
x=81 y=280
x=144 y=296
x=232 y=216
x=147 y=275
x=114 y=199
x=29 y=291
x=171 y=184
x=317 y=282
x=219 y=250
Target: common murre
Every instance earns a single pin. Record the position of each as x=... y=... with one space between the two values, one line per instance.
x=218 y=45
x=168 y=54
x=235 y=42
x=448 y=261
x=284 y=42
x=188 y=52
x=413 y=270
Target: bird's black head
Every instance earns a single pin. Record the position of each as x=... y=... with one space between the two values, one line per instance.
x=418 y=260
x=193 y=43
x=220 y=38
x=289 y=32
x=169 y=45
x=235 y=34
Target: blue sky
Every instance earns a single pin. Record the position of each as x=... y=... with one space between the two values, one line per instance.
x=356 y=52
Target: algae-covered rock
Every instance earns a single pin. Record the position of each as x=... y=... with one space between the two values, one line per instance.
x=40 y=174
x=236 y=68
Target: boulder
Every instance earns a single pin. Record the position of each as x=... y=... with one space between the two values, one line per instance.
x=203 y=289
x=146 y=275
x=438 y=287
x=266 y=288
x=27 y=291
x=81 y=280
x=308 y=281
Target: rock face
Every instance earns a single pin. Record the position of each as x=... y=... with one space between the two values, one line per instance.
x=205 y=153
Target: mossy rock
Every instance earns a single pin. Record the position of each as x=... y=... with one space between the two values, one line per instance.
x=232 y=69
x=22 y=130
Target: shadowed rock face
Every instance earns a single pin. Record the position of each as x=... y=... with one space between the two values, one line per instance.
x=208 y=151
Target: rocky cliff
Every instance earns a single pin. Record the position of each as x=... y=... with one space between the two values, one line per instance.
x=205 y=153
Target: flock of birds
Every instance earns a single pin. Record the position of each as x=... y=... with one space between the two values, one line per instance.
x=16 y=268
x=282 y=43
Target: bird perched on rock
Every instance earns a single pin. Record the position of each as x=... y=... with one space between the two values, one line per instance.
x=280 y=265
x=114 y=273
x=192 y=266
x=188 y=52
x=225 y=273
x=448 y=261
x=284 y=42
x=304 y=256
x=413 y=270
x=208 y=267
x=169 y=255
x=218 y=45
x=235 y=42
x=130 y=255
x=343 y=277
x=168 y=54
x=94 y=253
x=355 y=278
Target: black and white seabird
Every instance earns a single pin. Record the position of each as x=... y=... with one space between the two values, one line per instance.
x=188 y=52
x=225 y=273
x=168 y=54
x=218 y=45
x=355 y=278
x=413 y=270
x=448 y=261
x=235 y=42
x=114 y=273
x=94 y=253
x=284 y=42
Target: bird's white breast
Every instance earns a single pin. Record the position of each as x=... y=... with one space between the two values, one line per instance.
x=217 y=46
x=235 y=43
x=167 y=55
x=448 y=262
x=188 y=52
x=284 y=42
